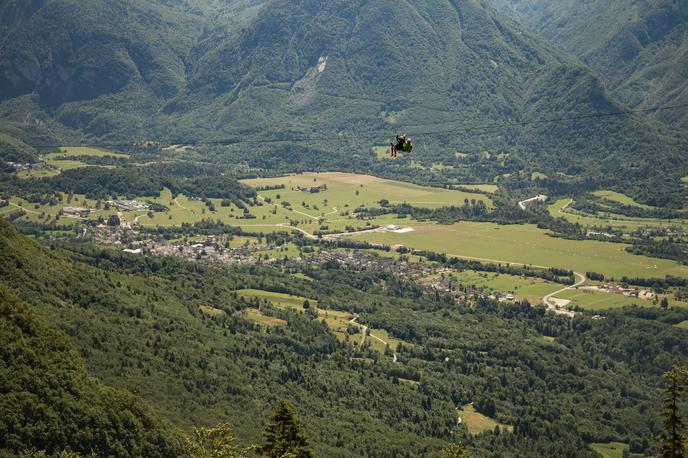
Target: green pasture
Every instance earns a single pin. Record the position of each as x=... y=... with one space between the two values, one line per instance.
x=336 y=320
x=610 y=450
x=277 y=299
x=75 y=152
x=477 y=422
x=87 y=151
x=356 y=190
x=38 y=171
x=618 y=197
x=491 y=188
x=596 y=300
x=530 y=289
x=615 y=221
x=257 y=316
x=526 y=244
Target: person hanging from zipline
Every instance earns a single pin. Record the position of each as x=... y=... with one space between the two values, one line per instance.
x=402 y=143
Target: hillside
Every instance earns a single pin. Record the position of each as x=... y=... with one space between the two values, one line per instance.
x=178 y=335
x=638 y=47
x=51 y=403
x=343 y=74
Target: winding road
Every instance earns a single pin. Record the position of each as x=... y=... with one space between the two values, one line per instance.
x=553 y=306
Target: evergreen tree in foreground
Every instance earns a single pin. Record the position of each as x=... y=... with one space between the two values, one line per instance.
x=283 y=435
x=456 y=451
x=217 y=442
x=673 y=440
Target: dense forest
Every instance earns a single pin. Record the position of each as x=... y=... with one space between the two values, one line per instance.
x=137 y=322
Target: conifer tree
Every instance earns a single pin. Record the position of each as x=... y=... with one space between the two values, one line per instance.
x=283 y=434
x=217 y=442
x=456 y=451
x=673 y=439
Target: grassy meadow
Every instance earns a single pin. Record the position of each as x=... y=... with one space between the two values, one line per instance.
x=558 y=210
x=526 y=244
x=596 y=300
x=610 y=450
x=477 y=422
x=337 y=321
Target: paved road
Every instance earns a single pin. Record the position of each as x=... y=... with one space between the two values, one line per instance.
x=553 y=306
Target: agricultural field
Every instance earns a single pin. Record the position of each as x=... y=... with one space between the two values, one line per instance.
x=560 y=209
x=682 y=325
x=530 y=289
x=477 y=422
x=337 y=321
x=257 y=317
x=526 y=244
x=618 y=197
x=75 y=152
x=596 y=300
x=610 y=450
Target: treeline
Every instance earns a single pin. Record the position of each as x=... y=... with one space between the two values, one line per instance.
x=595 y=205
x=101 y=183
x=145 y=323
x=563 y=276
x=670 y=248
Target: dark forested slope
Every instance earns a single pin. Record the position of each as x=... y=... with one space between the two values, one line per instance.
x=139 y=324
x=347 y=73
x=639 y=47
x=49 y=401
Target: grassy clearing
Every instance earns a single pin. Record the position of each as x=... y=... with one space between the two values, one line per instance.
x=610 y=450
x=63 y=164
x=337 y=321
x=530 y=289
x=211 y=311
x=88 y=151
x=491 y=188
x=620 y=198
x=682 y=325
x=477 y=422
x=616 y=221
x=332 y=209
x=595 y=300
x=257 y=316
x=278 y=299
x=38 y=171
x=526 y=244
x=53 y=159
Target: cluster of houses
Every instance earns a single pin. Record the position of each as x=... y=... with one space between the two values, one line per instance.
x=130 y=205
x=76 y=212
x=616 y=289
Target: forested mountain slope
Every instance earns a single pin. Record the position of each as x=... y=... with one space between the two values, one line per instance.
x=639 y=47
x=141 y=323
x=50 y=403
x=344 y=75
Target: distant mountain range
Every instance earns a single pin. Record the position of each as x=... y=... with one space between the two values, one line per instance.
x=639 y=47
x=190 y=70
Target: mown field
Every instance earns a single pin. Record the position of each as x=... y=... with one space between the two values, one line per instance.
x=526 y=244
x=530 y=289
x=559 y=209
x=610 y=450
x=477 y=422
x=596 y=300
x=74 y=153
x=338 y=321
